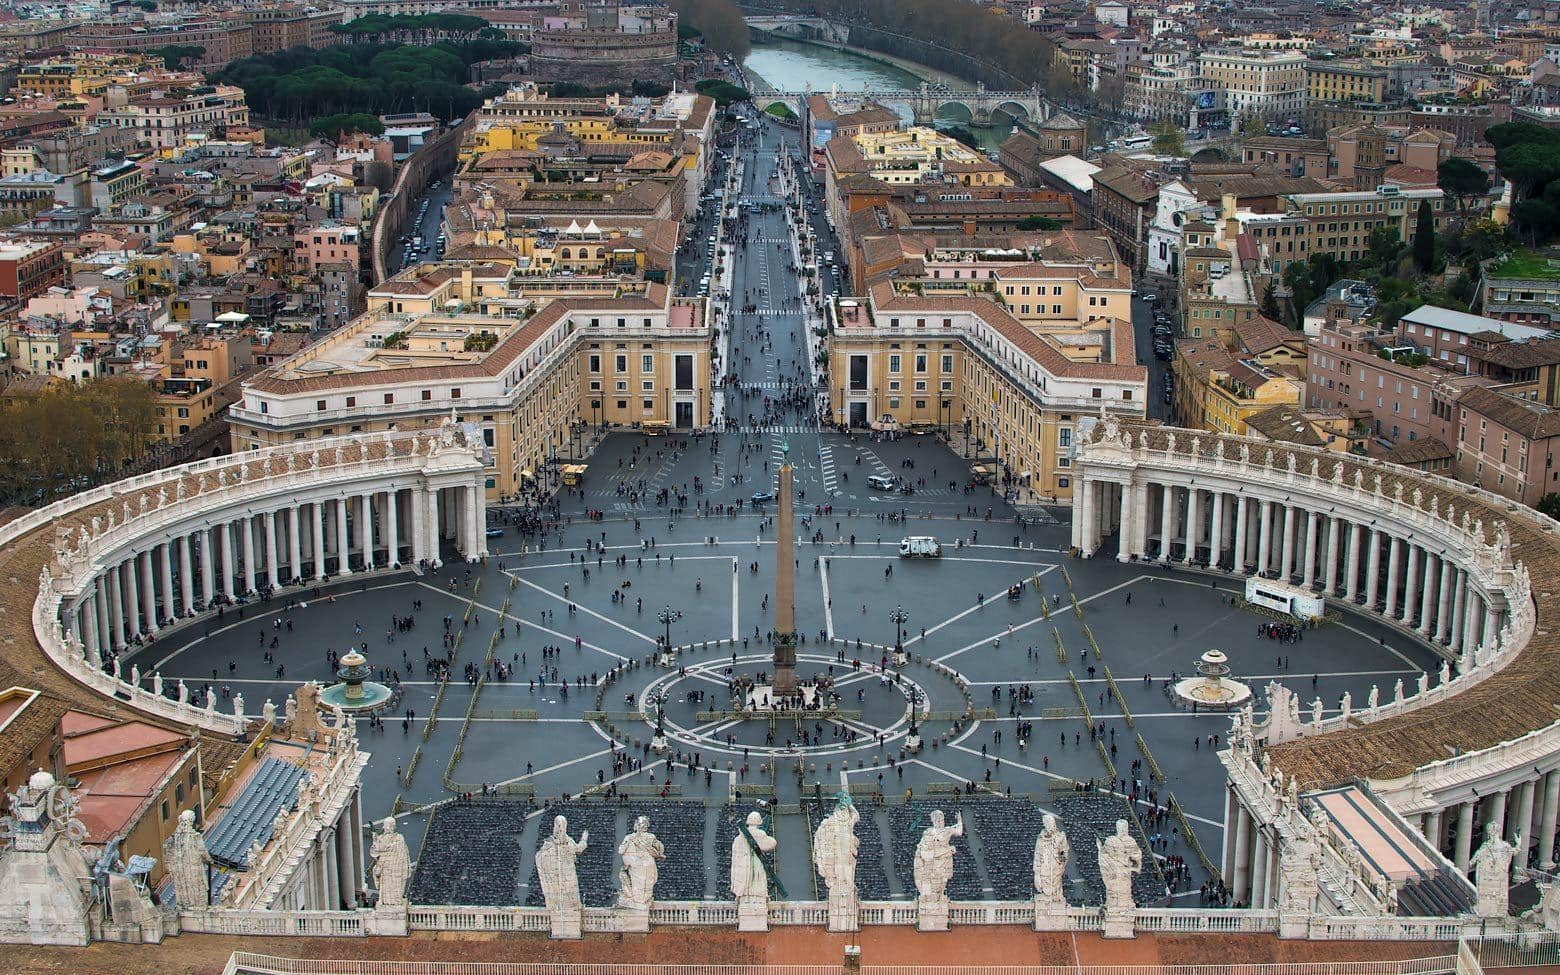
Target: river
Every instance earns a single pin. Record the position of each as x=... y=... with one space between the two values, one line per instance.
x=793 y=65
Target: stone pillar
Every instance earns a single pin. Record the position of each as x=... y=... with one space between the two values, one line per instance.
x=1140 y=520
x=1166 y=520
x=1264 y=536
x=168 y=597
x=332 y=870
x=1084 y=529
x=1496 y=811
x=1352 y=575
x=1242 y=523
x=1546 y=821
x=1454 y=636
x=1240 y=885
x=1330 y=565
x=431 y=517
x=1491 y=618
x=1432 y=828
x=1193 y=524
x=208 y=568
x=268 y=525
x=93 y=635
x=1520 y=830
x=1394 y=575
x=1444 y=600
x=247 y=527
x=366 y=535
x=294 y=542
x=1464 y=848
x=116 y=613
x=419 y=499
x=343 y=548
x=1259 y=880
x=1373 y=570
x=1312 y=523
x=1216 y=532
x=1472 y=619
x=186 y=577
x=393 y=528
x=1427 y=602
x=148 y=591
x=317 y=537
x=1287 y=568
x=1231 y=818
x=476 y=540
x=1412 y=593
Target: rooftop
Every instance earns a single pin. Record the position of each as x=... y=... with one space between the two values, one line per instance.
x=1526 y=264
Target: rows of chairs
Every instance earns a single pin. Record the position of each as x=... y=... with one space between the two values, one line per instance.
x=472 y=853
x=1088 y=817
x=597 y=866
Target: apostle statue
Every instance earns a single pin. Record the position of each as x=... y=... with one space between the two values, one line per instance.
x=185 y=856
x=834 y=855
x=1491 y=866
x=392 y=865
x=1299 y=869
x=1120 y=858
x=1051 y=849
x=560 y=881
x=641 y=853
x=749 y=877
x=933 y=870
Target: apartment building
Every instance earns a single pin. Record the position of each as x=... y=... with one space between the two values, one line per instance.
x=168 y=119
x=1508 y=444
x=1270 y=85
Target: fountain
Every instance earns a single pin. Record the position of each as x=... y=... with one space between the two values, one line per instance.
x=355 y=694
x=1213 y=688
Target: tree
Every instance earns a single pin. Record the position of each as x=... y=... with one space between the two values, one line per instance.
x=1169 y=140
x=1424 y=238
x=724 y=92
x=963 y=135
x=1461 y=180
x=1549 y=505
x=1033 y=223
x=1269 y=307
x=333 y=127
x=1384 y=247
x=177 y=57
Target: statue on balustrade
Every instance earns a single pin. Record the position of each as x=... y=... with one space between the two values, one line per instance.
x=834 y=855
x=185 y=856
x=1491 y=866
x=1051 y=850
x=641 y=853
x=1299 y=871
x=1120 y=858
x=749 y=876
x=933 y=869
x=392 y=865
x=555 y=868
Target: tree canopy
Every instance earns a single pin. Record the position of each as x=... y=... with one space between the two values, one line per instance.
x=724 y=92
x=301 y=84
x=177 y=57
x=333 y=127
x=719 y=22
x=1461 y=180
x=68 y=436
x=1529 y=156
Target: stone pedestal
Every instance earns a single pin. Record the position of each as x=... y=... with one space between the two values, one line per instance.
x=844 y=914
x=931 y=914
x=659 y=745
x=753 y=914
x=1118 y=924
x=634 y=919
x=1050 y=917
x=568 y=923
x=913 y=744
x=387 y=921
x=1292 y=924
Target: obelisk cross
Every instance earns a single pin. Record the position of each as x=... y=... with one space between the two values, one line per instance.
x=785 y=584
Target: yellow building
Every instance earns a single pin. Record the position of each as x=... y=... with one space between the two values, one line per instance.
x=1345 y=81
x=914 y=155
x=82 y=74
x=963 y=364
x=535 y=378
x=1217 y=390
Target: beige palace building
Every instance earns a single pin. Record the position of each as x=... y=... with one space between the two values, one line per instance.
x=534 y=377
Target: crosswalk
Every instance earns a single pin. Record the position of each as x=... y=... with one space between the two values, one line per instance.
x=780 y=428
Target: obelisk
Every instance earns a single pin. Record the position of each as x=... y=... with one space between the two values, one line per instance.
x=785 y=585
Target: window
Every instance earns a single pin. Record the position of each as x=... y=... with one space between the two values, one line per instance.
x=389 y=399
x=647 y=363
x=622 y=363
x=1064 y=437
x=1095 y=392
x=595 y=363
x=319 y=404
x=893 y=363
x=455 y=392
x=947 y=363
x=427 y=394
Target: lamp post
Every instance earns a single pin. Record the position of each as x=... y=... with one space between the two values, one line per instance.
x=899 y=617
x=667 y=616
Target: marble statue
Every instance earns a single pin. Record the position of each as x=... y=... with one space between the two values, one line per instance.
x=1299 y=870
x=188 y=863
x=749 y=879
x=641 y=853
x=392 y=865
x=555 y=868
x=1051 y=849
x=933 y=868
x=1491 y=866
x=834 y=856
x=1120 y=857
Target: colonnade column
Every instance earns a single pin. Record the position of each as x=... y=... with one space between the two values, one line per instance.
x=1330 y=566
x=1459 y=604
x=186 y=576
x=135 y=573
x=1427 y=603
x=1351 y=581
x=366 y=531
x=248 y=528
x=1520 y=829
x=1166 y=514
x=317 y=538
x=1193 y=524
x=1546 y=821
x=225 y=539
x=393 y=527
x=295 y=542
x=116 y=611
x=1242 y=517
x=1373 y=570
x=419 y=499
x=431 y=522
x=1216 y=532
x=1264 y=536
x=1443 y=626
x=474 y=524
x=268 y=525
x=1240 y=881
x=208 y=572
x=169 y=597
x=100 y=599
x=1287 y=566
x=1313 y=519
x=1394 y=570
x=1464 y=849
x=343 y=549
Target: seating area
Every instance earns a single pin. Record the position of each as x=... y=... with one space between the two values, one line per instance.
x=252 y=815
x=471 y=853
x=597 y=866
x=1005 y=830
x=1087 y=818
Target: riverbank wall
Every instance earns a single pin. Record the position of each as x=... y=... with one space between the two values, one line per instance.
x=899 y=50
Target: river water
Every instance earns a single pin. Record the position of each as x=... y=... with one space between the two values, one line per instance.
x=793 y=65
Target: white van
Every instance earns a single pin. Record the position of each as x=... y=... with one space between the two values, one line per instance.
x=882 y=482
x=919 y=547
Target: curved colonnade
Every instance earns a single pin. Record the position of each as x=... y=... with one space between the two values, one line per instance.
x=1450 y=565
x=121 y=564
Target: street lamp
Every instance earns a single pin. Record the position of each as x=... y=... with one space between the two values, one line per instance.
x=667 y=617
x=899 y=617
